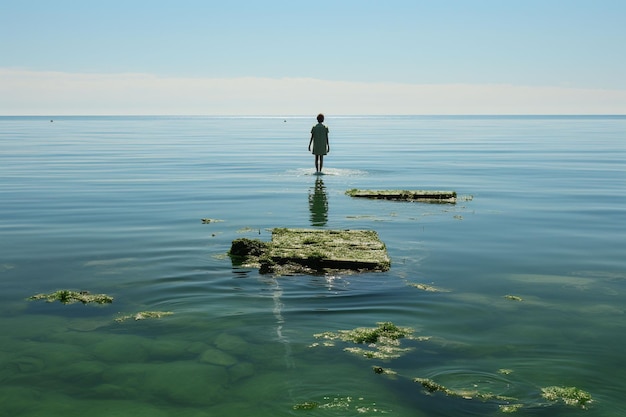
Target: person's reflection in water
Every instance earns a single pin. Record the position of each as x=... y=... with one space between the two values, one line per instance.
x=318 y=203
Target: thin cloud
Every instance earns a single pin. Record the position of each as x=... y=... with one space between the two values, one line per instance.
x=26 y=92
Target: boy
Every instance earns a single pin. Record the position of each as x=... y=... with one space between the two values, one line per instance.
x=319 y=139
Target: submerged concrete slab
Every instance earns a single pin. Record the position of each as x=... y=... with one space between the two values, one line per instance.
x=426 y=196
x=313 y=251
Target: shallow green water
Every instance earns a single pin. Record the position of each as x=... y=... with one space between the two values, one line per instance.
x=114 y=205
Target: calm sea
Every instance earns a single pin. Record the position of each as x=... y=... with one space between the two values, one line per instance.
x=114 y=205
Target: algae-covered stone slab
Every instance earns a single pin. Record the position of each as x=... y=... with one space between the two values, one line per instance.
x=427 y=196
x=335 y=249
x=315 y=251
x=70 y=297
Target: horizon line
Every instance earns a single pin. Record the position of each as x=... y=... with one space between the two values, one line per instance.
x=278 y=116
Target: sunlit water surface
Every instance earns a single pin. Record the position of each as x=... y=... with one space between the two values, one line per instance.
x=114 y=205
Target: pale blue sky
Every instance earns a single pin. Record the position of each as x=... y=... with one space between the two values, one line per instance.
x=567 y=49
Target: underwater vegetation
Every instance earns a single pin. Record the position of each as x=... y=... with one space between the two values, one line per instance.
x=307 y=405
x=142 y=315
x=569 y=395
x=70 y=297
x=510 y=408
x=427 y=287
x=384 y=371
x=383 y=342
x=385 y=331
x=431 y=386
x=352 y=405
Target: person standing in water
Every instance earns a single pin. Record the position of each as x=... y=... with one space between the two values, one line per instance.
x=319 y=140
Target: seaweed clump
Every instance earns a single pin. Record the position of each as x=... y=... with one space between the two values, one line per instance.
x=307 y=405
x=250 y=253
x=384 y=331
x=569 y=395
x=383 y=341
x=426 y=287
x=143 y=315
x=384 y=371
x=70 y=297
x=345 y=405
x=431 y=386
x=510 y=408
x=245 y=248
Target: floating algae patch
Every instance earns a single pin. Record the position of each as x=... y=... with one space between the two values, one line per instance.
x=358 y=405
x=384 y=371
x=431 y=387
x=427 y=287
x=143 y=315
x=383 y=332
x=381 y=351
x=313 y=251
x=381 y=342
x=510 y=408
x=70 y=297
x=426 y=196
x=207 y=220
x=249 y=230
x=569 y=395
x=307 y=405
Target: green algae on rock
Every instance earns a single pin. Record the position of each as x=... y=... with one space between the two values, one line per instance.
x=569 y=395
x=70 y=297
x=384 y=371
x=248 y=248
x=142 y=315
x=427 y=196
x=313 y=251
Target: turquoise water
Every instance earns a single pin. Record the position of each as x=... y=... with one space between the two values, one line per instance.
x=114 y=205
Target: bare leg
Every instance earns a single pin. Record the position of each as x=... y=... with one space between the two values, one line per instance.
x=317 y=159
x=321 y=162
